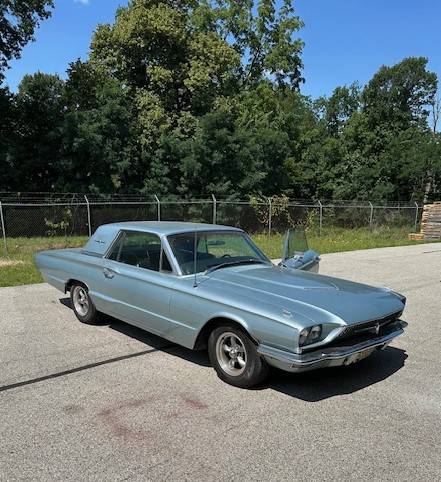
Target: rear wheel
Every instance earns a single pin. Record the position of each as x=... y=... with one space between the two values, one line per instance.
x=82 y=304
x=234 y=357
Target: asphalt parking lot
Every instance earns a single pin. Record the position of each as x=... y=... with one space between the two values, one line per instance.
x=111 y=402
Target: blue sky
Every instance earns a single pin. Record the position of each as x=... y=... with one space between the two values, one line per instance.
x=345 y=40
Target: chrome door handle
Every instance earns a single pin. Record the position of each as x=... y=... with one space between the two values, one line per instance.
x=109 y=273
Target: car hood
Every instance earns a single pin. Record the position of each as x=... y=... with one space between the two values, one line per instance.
x=311 y=295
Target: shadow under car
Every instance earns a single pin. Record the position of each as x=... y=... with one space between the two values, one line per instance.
x=309 y=386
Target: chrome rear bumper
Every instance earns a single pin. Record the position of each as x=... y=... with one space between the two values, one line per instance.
x=327 y=357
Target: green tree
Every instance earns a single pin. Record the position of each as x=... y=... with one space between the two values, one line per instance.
x=38 y=132
x=220 y=157
x=339 y=108
x=181 y=61
x=377 y=139
x=7 y=120
x=82 y=86
x=262 y=33
x=18 y=21
x=189 y=97
x=99 y=143
x=400 y=96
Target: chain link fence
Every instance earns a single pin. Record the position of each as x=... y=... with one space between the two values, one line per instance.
x=71 y=216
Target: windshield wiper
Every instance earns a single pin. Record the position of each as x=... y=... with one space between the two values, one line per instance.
x=214 y=267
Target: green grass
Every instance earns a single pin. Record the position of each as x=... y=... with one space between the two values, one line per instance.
x=18 y=268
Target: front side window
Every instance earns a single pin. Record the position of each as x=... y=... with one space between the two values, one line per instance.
x=213 y=250
x=143 y=250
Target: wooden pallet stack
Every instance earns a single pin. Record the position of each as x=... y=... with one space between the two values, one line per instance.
x=430 y=223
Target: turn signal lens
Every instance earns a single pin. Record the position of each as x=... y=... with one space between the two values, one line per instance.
x=310 y=335
x=303 y=336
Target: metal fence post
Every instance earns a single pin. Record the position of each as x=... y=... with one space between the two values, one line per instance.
x=3 y=228
x=159 y=207
x=321 y=217
x=214 y=208
x=371 y=215
x=416 y=216
x=88 y=216
x=270 y=216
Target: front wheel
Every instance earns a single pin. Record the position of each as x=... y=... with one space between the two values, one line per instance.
x=82 y=304
x=234 y=357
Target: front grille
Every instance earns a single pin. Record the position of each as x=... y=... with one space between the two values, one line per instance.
x=374 y=327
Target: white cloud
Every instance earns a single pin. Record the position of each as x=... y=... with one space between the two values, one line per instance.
x=83 y=2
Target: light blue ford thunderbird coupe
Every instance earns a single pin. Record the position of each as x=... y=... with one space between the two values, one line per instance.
x=209 y=286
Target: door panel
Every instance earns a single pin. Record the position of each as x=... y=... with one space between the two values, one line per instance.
x=141 y=296
x=134 y=280
x=296 y=253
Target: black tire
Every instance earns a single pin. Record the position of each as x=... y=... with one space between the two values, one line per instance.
x=237 y=363
x=84 y=310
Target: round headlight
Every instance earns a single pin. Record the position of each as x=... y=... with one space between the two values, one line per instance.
x=315 y=333
x=310 y=335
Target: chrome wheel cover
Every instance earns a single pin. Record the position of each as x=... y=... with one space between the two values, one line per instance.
x=80 y=299
x=231 y=353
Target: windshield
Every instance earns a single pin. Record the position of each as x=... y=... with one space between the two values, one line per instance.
x=214 y=249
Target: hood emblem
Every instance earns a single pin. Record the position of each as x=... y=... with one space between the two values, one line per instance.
x=286 y=313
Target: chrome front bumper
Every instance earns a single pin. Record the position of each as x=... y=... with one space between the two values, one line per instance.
x=327 y=357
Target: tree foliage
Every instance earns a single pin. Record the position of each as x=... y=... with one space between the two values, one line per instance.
x=190 y=97
x=18 y=21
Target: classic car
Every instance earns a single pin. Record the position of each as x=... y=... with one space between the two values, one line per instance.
x=210 y=287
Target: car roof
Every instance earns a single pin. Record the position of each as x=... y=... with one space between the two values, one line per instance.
x=170 y=227
x=104 y=236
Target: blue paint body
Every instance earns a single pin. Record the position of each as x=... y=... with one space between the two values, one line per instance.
x=272 y=303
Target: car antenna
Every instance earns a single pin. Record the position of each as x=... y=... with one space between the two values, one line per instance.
x=195 y=250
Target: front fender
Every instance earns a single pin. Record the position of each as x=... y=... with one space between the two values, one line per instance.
x=260 y=329
x=235 y=317
x=195 y=308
